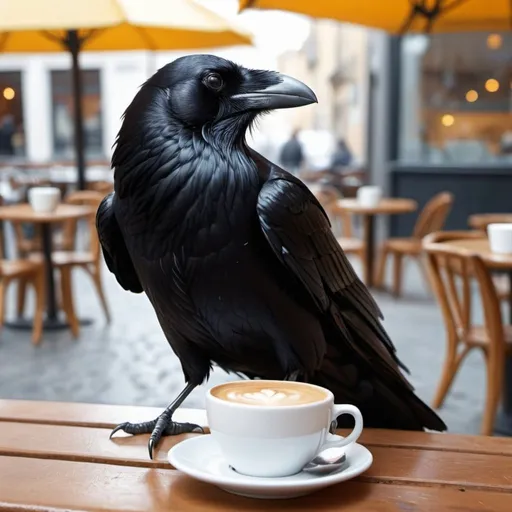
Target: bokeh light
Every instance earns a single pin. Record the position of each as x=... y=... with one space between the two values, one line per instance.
x=471 y=96
x=447 y=120
x=492 y=85
x=9 y=93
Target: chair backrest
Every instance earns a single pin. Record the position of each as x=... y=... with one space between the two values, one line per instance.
x=452 y=271
x=103 y=187
x=434 y=214
x=89 y=198
x=328 y=195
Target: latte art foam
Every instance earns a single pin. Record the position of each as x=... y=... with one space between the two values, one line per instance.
x=270 y=393
x=265 y=396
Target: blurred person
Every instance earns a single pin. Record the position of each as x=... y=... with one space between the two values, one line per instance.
x=292 y=156
x=342 y=156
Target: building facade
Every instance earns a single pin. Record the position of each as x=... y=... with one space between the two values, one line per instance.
x=334 y=61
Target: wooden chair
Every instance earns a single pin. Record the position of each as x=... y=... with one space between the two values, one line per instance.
x=348 y=241
x=103 y=187
x=452 y=273
x=89 y=260
x=432 y=218
x=23 y=271
x=69 y=257
x=341 y=221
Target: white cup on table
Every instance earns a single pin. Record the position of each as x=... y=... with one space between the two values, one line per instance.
x=500 y=238
x=369 y=195
x=44 y=199
x=274 y=428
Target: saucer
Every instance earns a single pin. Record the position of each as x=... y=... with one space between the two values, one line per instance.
x=200 y=457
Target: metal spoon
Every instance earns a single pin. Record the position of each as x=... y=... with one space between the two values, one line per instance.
x=327 y=461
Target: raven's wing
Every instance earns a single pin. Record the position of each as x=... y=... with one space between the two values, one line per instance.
x=299 y=232
x=114 y=248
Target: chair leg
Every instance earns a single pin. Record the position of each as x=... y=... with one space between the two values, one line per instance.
x=67 y=300
x=39 y=288
x=381 y=268
x=20 y=296
x=4 y=283
x=450 y=369
x=397 y=273
x=424 y=273
x=96 y=277
x=495 y=375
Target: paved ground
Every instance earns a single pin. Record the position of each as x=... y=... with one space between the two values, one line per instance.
x=129 y=362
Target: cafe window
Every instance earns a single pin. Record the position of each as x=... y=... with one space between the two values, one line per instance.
x=63 y=114
x=456 y=99
x=12 y=136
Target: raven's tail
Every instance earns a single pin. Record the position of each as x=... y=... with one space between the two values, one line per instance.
x=372 y=382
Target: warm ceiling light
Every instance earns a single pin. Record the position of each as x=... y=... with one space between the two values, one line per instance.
x=9 y=93
x=471 y=96
x=447 y=120
x=492 y=85
x=494 y=41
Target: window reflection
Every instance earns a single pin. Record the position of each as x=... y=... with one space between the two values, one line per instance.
x=12 y=139
x=456 y=98
x=63 y=114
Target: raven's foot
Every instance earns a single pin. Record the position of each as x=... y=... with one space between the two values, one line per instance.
x=162 y=426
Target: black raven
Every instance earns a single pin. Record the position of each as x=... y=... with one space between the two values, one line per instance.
x=235 y=254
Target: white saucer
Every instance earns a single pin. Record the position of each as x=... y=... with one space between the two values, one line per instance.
x=201 y=458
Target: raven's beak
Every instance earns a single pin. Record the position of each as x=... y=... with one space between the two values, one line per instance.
x=288 y=93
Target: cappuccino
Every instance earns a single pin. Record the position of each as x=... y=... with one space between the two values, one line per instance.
x=273 y=428
x=272 y=393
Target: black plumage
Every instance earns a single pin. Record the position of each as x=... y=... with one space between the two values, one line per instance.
x=235 y=254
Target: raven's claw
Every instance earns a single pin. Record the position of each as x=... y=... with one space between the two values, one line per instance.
x=167 y=427
x=135 y=428
x=162 y=426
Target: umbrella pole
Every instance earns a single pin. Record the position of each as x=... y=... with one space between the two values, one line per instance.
x=74 y=43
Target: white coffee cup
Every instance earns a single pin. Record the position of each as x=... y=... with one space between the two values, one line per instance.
x=44 y=199
x=369 y=195
x=276 y=440
x=500 y=238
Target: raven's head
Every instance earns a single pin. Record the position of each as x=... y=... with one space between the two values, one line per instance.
x=211 y=95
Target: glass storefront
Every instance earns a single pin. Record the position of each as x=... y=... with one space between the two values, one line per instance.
x=456 y=99
x=63 y=114
x=12 y=136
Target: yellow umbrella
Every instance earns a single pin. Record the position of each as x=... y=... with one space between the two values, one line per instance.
x=398 y=16
x=76 y=25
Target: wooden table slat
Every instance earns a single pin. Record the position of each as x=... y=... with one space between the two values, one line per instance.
x=390 y=464
x=62 y=485
x=108 y=416
x=89 y=415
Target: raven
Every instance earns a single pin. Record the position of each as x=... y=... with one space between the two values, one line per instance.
x=236 y=255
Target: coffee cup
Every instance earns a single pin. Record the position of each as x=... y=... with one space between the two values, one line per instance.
x=268 y=428
x=500 y=238
x=369 y=195
x=44 y=199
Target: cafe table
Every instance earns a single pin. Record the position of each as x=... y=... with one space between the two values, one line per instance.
x=25 y=213
x=58 y=456
x=386 y=206
x=482 y=220
x=495 y=263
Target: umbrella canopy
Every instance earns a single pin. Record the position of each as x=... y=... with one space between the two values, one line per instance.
x=398 y=16
x=76 y=25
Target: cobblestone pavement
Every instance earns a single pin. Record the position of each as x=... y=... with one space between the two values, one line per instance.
x=130 y=362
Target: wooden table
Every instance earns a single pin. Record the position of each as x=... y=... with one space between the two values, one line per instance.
x=482 y=220
x=498 y=263
x=25 y=213
x=386 y=206
x=58 y=456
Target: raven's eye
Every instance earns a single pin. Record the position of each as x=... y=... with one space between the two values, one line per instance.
x=214 y=81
